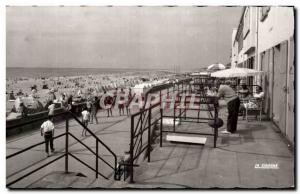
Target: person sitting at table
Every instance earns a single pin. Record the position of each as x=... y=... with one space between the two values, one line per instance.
x=259 y=93
x=209 y=91
x=244 y=91
x=252 y=103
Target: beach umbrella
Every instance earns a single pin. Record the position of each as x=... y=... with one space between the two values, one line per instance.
x=217 y=66
x=236 y=72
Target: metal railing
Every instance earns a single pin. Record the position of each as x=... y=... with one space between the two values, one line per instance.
x=140 y=130
x=142 y=124
x=143 y=121
x=66 y=154
x=211 y=107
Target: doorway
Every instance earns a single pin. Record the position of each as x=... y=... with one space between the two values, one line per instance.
x=280 y=85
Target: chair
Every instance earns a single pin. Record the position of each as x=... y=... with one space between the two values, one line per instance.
x=255 y=105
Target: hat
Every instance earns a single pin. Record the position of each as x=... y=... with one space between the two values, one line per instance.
x=227 y=82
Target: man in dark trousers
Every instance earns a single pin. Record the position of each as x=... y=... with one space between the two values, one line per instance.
x=47 y=130
x=94 y=109
x=233 y=104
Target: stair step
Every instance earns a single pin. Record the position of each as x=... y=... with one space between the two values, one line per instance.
x=195 y=139
x=59 y=179
x=55 y=179
x=170 y=122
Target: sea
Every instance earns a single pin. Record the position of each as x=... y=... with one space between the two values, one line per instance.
x=20 y=72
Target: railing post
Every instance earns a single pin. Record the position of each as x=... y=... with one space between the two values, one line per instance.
x=97 y=152
x=215 y=129
x=180 y=109
x=149 y=134
x=180 y=112
x=67 y=145
x=131 y=149
x=141 y=128
x=160 y=128
x=174 y=119
x=167 y=93
x=185 y=109
x=160 y=97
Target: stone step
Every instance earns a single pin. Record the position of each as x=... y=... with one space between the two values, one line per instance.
x=195 y=139
x=60 y=180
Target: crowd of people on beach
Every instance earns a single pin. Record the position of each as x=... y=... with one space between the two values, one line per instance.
x=91 y=100
x=34 y=95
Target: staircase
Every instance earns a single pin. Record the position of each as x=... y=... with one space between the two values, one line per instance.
x=97 y=163
x=60 y=180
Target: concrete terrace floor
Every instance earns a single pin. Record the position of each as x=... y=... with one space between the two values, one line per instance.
x=175 y=165
x=230 y=165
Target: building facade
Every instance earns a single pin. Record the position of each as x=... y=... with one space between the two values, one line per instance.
x=265 y=41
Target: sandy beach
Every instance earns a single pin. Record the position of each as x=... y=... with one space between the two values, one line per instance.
x=70 y=85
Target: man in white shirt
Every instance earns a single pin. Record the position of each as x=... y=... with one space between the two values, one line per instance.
x=47 y=130
x=85 y=119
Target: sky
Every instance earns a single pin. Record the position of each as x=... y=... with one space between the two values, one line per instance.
x=119 y=37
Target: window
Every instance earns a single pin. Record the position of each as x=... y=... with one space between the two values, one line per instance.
x=264 y=11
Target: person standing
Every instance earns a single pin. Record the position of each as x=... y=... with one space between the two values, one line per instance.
x=121 y=103
x=64 y=101
x=108 y=102
x=128 y=102
x=51 y=95
x=51 y=108
x=85 y=119
x=233 y=104
x=94 y=109
x=23 y=110
x=47 y=130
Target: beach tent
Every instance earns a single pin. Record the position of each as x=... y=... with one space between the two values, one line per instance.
x=33 y=104
x=204 y=73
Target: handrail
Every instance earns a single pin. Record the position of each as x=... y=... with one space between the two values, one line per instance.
x=30 y=147
x=67 y=153
x=146 y=109
x=91 y=150
x=87 y=165
x=92 y=134
x=144 y=122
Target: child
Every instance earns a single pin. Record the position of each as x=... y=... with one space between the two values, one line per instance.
x=85 y=119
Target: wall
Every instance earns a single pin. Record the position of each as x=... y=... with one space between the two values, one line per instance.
x=250 y=38
x=234 y=49
x=277 y=27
